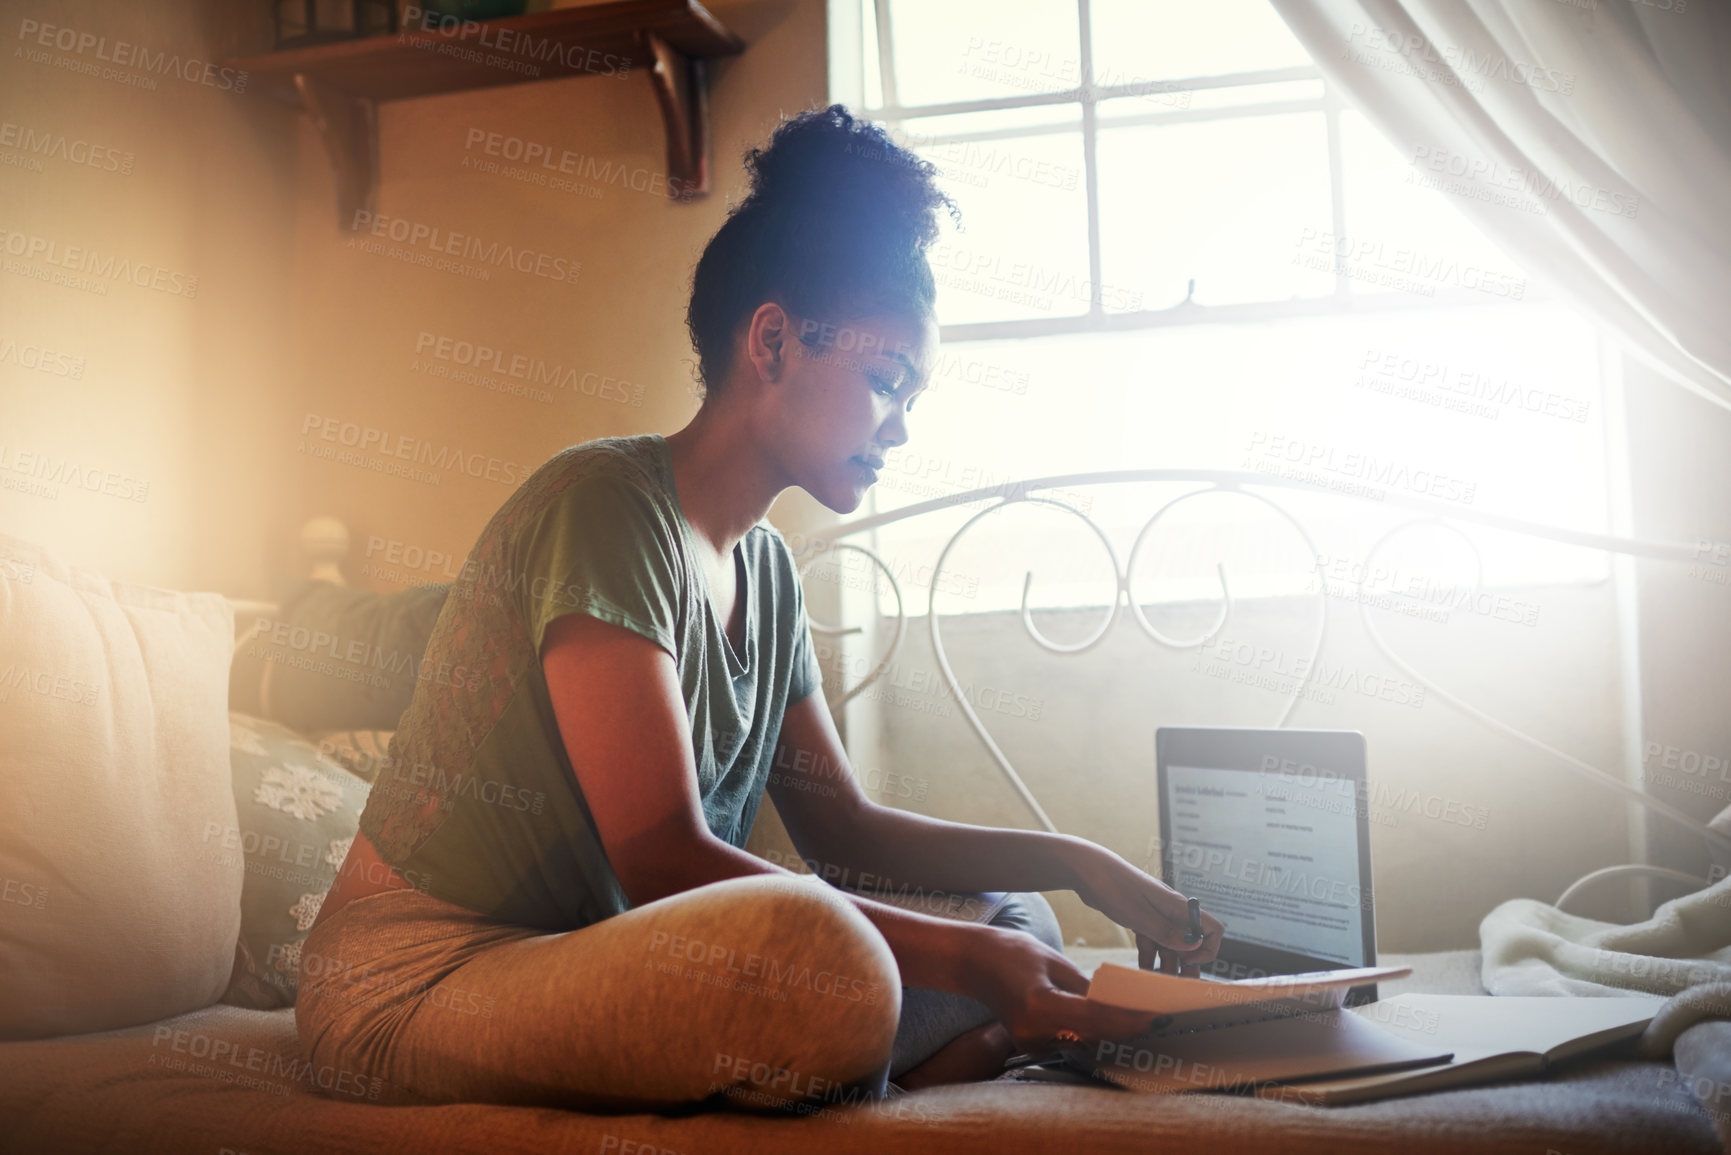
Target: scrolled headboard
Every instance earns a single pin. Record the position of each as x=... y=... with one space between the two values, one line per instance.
x=1241 y=483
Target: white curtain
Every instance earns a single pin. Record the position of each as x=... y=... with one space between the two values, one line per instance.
x=1616 y=113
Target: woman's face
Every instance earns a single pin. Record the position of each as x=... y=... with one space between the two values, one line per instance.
x=851 y=385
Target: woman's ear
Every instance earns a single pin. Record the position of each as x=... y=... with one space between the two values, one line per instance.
x=766 y=340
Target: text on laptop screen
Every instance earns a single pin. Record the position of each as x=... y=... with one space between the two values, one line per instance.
x=1273 y=856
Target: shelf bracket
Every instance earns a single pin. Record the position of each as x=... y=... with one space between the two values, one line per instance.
x=682 y=91
x=349 y=126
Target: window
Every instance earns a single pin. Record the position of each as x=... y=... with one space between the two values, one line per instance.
x=1181 y=249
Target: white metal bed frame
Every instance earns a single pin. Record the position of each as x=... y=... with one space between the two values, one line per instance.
x=1241 y=483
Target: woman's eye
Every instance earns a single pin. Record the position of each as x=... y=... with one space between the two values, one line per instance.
x=883 y=385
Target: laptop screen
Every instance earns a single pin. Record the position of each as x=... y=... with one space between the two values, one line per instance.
x=1267 y=828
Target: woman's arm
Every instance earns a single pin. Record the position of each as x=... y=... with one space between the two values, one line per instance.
x=852 y=841
x=621 y=713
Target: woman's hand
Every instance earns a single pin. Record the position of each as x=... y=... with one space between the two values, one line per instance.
x=1037 y=992
x=1158 y=915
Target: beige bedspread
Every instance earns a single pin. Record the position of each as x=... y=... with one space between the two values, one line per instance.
x=1531 y=948
x=145 y=1091
x=1684 y=951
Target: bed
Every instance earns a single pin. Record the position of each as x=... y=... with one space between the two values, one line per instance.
x=229 y=1078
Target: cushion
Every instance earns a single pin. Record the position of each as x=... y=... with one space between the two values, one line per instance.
x=336 y=658
x=298 y=813
x=113 y=763
x=362 y=753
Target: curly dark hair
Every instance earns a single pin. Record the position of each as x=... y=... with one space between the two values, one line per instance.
x=835 y=227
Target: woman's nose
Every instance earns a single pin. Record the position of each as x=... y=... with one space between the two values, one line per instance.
x=894 y=431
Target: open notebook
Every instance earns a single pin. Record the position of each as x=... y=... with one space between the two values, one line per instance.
x=1225 y=1035
x=1502 y=1037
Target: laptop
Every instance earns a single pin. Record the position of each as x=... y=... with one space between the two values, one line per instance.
x=1270 y=830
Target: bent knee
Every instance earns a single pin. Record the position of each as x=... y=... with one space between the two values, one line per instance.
x=828 y=968
x=818 y=926
x=802 y=917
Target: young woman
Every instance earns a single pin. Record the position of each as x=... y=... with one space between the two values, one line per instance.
x=547 y=902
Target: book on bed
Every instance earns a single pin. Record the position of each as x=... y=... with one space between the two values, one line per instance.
x=1291 y=1030
x=1156 y=991
x=1492 y=1037
x=1223 y=1035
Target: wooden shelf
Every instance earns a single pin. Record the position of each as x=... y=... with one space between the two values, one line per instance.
x=341 y=85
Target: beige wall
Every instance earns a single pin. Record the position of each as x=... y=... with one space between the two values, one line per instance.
x=206 y=396
x=614 y=338
x=175 y=392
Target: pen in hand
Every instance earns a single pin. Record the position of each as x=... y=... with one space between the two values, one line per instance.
x=1194 y=934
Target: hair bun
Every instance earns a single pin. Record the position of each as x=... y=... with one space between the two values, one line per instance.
x=829 y=162
x=835 y=226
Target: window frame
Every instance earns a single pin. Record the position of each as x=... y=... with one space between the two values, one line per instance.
x=899 y=118
x=852 y=20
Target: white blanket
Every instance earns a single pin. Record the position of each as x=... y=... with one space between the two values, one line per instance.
x=1531 y=948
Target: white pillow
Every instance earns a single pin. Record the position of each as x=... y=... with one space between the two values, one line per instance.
x=114 y=909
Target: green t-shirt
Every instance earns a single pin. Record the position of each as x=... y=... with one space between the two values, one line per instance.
x=479 y=805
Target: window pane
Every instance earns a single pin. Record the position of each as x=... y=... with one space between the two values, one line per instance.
x=1223 y=202
x=1482 y=409
x=1166 y=39
x=872 y=74
x=1402 y=236
x=1241 y=94
x=998 y=267
x=1067 y=114
x=983 y=49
